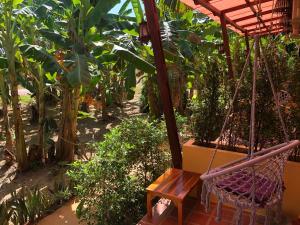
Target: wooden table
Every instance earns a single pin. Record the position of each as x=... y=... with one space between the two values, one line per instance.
x=174 y=185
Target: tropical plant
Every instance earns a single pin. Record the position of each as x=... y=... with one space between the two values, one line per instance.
x=208 y=108
x=11 y=12
x=5 y=103
x=111 y=186
x=5 y=213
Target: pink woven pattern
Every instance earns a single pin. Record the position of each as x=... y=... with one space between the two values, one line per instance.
x=240 y=183
x=262 y=181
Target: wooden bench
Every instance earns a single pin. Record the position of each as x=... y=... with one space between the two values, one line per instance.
x=174 y=185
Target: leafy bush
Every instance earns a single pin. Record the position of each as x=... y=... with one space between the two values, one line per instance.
x=207 y=108
x=111 y=187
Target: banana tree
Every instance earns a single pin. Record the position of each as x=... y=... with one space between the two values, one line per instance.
x=87 y=40
x=10 y=40
x=5 y=103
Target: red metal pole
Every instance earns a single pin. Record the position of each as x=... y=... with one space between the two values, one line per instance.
x=226 y=46
x=163 y=83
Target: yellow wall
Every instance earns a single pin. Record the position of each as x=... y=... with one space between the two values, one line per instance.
x=196 y=159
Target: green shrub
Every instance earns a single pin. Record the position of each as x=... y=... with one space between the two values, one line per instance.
x=111 y=187
x=208 y=107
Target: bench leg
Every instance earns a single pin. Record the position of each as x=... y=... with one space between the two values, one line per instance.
x=149 y=205
x=180 y=216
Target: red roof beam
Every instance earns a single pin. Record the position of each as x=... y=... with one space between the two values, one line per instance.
x=256 y=14
x=274 y=31
x=275 y=25
x=243 y=6
x=218 y=13
x=256 y=23
x=252 y=16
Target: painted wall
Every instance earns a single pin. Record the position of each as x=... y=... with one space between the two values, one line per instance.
x=196 y=159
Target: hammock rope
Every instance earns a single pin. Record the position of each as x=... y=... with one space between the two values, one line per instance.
x=255 y=181
x=239 y=83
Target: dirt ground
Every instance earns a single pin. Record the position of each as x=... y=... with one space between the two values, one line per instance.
x=64 y=215
x=89 y=130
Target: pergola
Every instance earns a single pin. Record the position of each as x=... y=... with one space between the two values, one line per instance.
x=245 y=17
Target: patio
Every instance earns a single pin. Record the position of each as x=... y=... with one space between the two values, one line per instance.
x=165 y=213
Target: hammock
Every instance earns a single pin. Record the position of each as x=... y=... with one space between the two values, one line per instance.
x=255 y=181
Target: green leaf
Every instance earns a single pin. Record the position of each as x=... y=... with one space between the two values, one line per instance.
x=137 y=61
x=102 y=8
x=51 y=77
x=55 y=37
x=39 y=54
x=130 y=81
x=76 y=2
x=80 y=74
x=137 y=8
x=17 y=2
x=124 y=7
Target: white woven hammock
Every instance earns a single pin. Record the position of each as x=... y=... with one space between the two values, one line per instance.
x=257 y=180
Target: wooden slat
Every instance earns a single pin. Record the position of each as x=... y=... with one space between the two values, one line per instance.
x=256 y=23
x=239 y=7
x=256 y=14
x=251 y=16
x=218 y=13
x=275 y=25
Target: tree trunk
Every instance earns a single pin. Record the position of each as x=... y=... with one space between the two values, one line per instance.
x=21 y=154
x=67 y=139
x=103 y=101
x=6 y=122
x=153 y=100
x=41 y=105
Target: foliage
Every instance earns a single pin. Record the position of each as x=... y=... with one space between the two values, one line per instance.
x=208 y=107
x=27 y=206
x=5 y=213
x=111 y=186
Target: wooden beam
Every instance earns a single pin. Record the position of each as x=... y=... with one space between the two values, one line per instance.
x=274 y=31
x=218 y=13
x=226 y=46
x=239 y=7
x=264 y=29
x=163 y=83
x=256 y=23
x=252 y=16
x=257 y=14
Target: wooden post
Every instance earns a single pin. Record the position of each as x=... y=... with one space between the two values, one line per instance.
x=226 y=45
x=163 y=83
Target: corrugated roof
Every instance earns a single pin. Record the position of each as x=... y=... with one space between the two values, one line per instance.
x=247 y=16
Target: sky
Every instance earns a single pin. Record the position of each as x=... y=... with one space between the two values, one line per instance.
x=116 y=9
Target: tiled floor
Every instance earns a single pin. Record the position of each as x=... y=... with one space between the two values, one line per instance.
x=164 y=213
